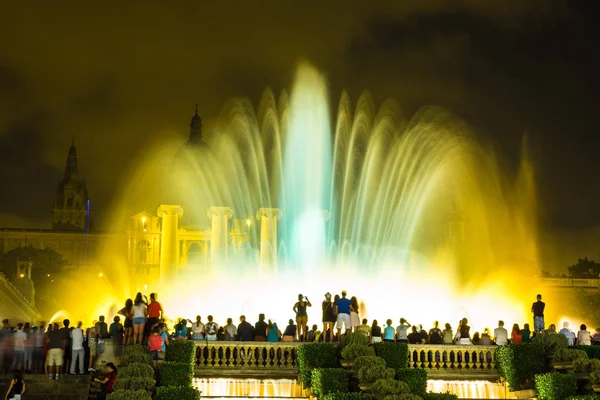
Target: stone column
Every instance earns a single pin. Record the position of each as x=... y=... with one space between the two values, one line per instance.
x=169 y=246
x=268 y=234
x=218 y=236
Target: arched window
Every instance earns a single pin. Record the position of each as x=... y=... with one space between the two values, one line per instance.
x=142 y=249
x=195 y=254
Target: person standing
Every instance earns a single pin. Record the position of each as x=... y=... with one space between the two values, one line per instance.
x=77 y=350
x=537 y=309
x=155 y=313
x=354 y=317
x=56 y=349
x=301 y=316
x=19 y=338
x=328 y=308
x=127 y=312
x=38 y=351
x=139 y=318
x=342 y=307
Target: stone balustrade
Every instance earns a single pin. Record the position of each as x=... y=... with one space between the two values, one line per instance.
x=220 y=358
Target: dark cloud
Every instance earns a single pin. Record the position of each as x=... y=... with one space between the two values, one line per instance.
x=116 y=77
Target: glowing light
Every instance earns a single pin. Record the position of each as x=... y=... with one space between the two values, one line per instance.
x=143 y=220
x=100 y=274
x=22 y=275
x=48 y=275
x=248 y=222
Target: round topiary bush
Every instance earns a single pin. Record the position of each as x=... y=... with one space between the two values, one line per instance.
x=354 y=350
x=387 y=387
x=367 y=361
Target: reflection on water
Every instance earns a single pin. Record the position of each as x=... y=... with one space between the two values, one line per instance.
x=476 y=389
x=232 y=388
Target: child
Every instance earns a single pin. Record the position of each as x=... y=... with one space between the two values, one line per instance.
x=16 y=387
x=155 y=341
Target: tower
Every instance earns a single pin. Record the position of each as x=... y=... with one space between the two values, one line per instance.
x=196 y=127
x=71 y=206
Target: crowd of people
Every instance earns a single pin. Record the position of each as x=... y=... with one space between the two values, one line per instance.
x=67 y=349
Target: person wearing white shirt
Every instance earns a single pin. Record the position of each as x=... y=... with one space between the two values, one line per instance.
x=19 y=338
x=568 y=333
x=500 y=334
x=77 y=351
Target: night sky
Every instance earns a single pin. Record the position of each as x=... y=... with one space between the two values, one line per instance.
x=117 y=77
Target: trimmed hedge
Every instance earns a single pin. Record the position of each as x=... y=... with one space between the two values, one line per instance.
x=555 y=386
x=395 y=354
x=135 y=383
x=129 y=395
x=315 y=355
x=386 y=387
x=591 y=351
x=584 y=397
x=354 y=350
x=176 y=393
x=375 y=372
x=181 y=351
x=403 y=396
x=355 y=338
x=135 y=354
x=329 y=380
x=551 y=341
x=136 y=370
x=595 y=378
x=586 y=365
x=440 y=396
x=518 y=363
x=415 y=378
x=175 y=374
x=367 y=361
x=348 y=396
x=569 y=355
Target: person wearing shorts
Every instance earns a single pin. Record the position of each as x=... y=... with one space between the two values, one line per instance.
x=343 y=314
x=156 y=341
x=537 y=309
x=140 y=311
x=56 y=345
x=301 y=317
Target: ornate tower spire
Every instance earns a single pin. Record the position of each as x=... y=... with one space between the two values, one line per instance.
x=70 y=205
x=196 y=127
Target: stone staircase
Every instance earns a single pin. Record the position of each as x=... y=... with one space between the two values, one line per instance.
x=39 y=387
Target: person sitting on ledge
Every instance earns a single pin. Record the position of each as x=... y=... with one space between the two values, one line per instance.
x=106 y=384
x=375 y=336
x=414 y=337
x=388 y=331
x=486 y=339
x=211 y=329
x=526 y=333
x=273 y=332
x=245 y=330
x=364 y=328
x=314 y=334
x=583 y=336
x=260 y=329
x=290 y=332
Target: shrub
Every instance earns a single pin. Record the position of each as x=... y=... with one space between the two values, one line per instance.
x=367 y=361
x=518 y=363
x=403 y=396
x=176 y=393
x=329 y=380
x=569 y=355
x=551 y=341
x=595 y=378
x=440 y=396
x=584 y=397
x=354 y=350
x=181 y=351
x=135 y=354
x=386 y=387
x=375 y=372
x=395 y=354
x=555 y=386
x=135 y=383
x=415 y=378
x=585 y=365
x=347 y=396
x=355 y=338
x=315 y=355
x=129 y=395
x=136 y=370
x=591 y=351
x=175 y=374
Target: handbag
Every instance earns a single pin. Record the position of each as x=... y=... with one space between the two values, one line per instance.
x=161 y=355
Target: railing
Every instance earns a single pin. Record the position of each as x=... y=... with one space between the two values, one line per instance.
x=449 y=361
x=569 y=282
x=219 y=358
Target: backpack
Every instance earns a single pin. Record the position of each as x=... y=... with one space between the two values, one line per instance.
x=211 y=328
x=435 y=336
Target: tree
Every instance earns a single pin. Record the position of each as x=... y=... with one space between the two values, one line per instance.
x=44 y=262
x=584 y=269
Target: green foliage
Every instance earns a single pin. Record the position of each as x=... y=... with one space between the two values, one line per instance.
x=348 y=396
x=176 y=393
x=315 y=355
x=372 y=373
x=403 y=396
x=591 y=351
x=518 y=363
x=584 y=397
x=329 y=380
x=136 y=370
x=415 y=378
x=121 y=394
x=43 y=262
x=181 y=351
x=135 y=383
x=395 y=354
x=584 y=269
x=595 y=378
x=555 y=386
x=551 y=341
x=135 y=354
x=175 y=374
x=355 y=338
x=440 y=396
x=367 y=361
x=569 y=355
x=386 y=387
x=354 y=350
x=585 y=365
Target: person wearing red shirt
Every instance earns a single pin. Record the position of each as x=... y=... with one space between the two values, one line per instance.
x=155 y=341
x=155 y=314
x=516 y=336
x=106 y=384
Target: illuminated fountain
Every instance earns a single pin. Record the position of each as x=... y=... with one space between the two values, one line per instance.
x=413 y=216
